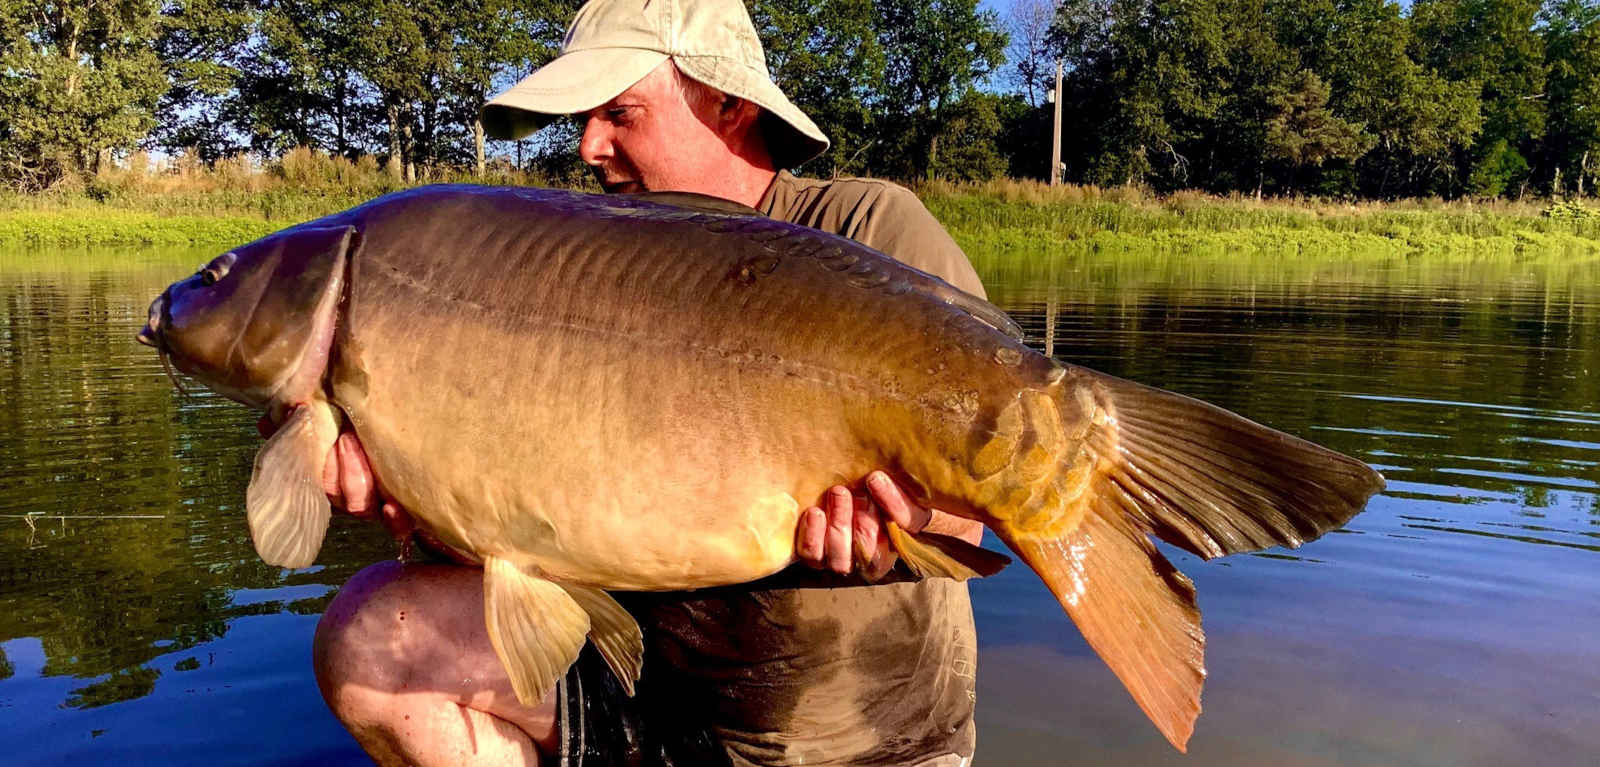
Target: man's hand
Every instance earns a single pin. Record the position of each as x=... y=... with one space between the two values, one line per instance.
x=847 y=528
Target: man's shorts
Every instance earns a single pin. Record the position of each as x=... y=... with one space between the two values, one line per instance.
x=600 y=726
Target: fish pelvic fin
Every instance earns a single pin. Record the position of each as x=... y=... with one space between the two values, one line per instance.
x=931 y=555
x=536 y=627
x=614 y=633
x=1075 y=478
x=287 y=510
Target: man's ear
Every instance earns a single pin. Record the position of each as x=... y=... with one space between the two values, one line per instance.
x=737 y=113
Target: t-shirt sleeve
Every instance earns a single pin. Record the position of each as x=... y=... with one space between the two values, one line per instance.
x=898 y=224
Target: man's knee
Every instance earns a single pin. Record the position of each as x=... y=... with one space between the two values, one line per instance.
x=387 y=623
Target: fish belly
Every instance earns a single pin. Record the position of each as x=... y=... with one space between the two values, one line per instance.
x=595 y=459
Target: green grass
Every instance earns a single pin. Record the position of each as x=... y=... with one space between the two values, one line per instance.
x=1004 y=220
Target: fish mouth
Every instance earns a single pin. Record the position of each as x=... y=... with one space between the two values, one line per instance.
x=150 y=335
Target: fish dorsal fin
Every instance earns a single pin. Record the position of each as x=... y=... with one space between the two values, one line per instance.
x=700 y=202
x=982 y=310
x=284 y=504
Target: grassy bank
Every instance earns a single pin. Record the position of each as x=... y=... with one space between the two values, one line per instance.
x=232 y=203
x=1009 y=217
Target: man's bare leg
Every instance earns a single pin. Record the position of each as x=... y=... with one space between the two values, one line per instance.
x=405 y=663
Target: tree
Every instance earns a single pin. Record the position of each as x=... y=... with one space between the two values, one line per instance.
x=201 y=43
x=1145 y=79
x=969 y=133
x=1492 y=44
x=1032 y=61
x=826 y=57
x=496 y=37
x=1304 y=132
x=1415 y=119
x=1572 y=51
x=935 y=50
x=78 y=79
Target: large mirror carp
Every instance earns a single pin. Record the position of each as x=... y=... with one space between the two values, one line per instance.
x=598 y=393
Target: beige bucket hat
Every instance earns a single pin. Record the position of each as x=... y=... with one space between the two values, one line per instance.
x=612 y=44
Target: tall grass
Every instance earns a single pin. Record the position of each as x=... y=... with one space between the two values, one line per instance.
x=1012 y=216
x=235 y=200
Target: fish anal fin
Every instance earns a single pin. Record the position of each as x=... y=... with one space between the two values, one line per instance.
x=535 y=626
x=286 y=508
x=933 y=555
x=614 y=632
x=1134 y=608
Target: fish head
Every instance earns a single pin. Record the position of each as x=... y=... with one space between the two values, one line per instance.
x=255 y=323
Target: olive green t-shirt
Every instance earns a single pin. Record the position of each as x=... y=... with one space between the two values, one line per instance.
x=851 y=676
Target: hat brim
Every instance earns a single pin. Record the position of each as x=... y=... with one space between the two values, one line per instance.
x=576 y=81
x=796 y=138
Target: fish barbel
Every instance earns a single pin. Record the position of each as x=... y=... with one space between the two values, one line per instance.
x=598 y=393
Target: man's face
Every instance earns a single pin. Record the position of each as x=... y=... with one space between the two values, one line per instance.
x=649 y=138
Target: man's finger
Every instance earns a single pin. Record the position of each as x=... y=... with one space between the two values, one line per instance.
x=808 y=540
x=397 y=520
x=841 y=510
x=330 y=477
x=355 y=476
x=909 y=516
x=865 y=534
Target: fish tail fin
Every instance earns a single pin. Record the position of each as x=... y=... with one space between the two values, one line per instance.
x=1078 y=477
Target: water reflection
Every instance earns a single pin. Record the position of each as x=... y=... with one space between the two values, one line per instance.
x=131 y=600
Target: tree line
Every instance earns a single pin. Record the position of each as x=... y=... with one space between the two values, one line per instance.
x=1344 y=98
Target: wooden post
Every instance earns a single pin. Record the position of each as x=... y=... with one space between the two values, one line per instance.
x=1055 y=135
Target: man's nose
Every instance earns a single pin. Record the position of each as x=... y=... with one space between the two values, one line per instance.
x=595 y=145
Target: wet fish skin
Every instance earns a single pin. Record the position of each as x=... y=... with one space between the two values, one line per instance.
x=607 y=393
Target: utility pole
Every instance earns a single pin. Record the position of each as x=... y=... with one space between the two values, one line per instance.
x=1055 y=136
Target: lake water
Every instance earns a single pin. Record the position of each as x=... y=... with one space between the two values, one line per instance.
x=1455 y=622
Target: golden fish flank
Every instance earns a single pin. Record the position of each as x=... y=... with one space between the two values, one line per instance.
x=503 y=353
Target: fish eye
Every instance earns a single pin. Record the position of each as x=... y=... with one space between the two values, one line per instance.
x=217 y=269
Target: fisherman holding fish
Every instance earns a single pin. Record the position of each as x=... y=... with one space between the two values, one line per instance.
x=674 y=96
x=637 y=397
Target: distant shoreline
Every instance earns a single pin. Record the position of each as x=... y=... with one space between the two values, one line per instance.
x=1002 y=219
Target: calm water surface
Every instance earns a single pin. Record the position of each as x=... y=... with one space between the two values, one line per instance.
x=1456 y=622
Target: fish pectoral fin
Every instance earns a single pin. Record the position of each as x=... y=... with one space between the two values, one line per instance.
x=285 y=506
x=614 y=632
x=933 y=555
x=535 y=626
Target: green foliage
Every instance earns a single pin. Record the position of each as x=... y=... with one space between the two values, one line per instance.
x=1571 y=210
x=1501 y=169
x=1572 y=50
x=936 y=51
x=831 y=70
x=78 y=79
x=1303 y=131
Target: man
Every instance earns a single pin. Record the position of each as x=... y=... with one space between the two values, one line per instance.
x=674 y=96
